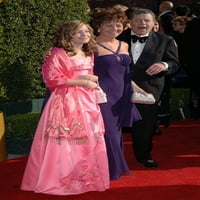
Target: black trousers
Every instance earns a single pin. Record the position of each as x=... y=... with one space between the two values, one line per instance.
x=194 y=102
x=164 y=103
x=142 y=132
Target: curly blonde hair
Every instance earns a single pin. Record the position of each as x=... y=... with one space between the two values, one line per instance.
x=65 y=34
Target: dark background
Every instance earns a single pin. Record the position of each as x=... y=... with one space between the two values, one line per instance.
x=151 y=4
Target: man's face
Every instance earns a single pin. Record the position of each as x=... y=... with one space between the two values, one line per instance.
x=142 y=24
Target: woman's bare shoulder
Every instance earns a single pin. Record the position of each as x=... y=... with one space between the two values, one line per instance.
x=124 y=47
x=124 y=44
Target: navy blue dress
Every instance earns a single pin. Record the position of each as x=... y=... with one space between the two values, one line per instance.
x=115 y=79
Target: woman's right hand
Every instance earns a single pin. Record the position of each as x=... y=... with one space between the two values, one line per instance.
x=90 y=77
x=82 y=82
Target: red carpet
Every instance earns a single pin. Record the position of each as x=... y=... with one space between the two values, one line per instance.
x=177 y=178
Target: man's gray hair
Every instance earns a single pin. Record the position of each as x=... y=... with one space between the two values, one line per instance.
x=143 y=11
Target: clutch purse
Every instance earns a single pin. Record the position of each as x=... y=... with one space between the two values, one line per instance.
x=143 y=99
x=100 y=95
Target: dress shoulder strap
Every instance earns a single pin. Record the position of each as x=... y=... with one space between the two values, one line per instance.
x=105 y=47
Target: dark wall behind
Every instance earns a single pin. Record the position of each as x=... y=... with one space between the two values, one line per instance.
x=151 y=4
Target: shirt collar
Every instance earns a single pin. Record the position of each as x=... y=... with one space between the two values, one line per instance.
x=164 y=12
x=132 y=33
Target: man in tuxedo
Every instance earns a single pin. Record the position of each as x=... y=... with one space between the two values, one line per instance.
x=165 y=19
x=153 y=57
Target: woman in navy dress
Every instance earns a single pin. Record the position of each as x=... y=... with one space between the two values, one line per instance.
x=111 y=65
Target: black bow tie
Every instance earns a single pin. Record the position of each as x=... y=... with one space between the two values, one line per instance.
x=135 y=38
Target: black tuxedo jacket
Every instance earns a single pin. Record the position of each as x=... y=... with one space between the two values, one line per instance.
x=158 y=48
x=191 y=44
x=166 y=23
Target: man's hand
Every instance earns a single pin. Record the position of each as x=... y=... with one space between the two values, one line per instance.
x=156 y=68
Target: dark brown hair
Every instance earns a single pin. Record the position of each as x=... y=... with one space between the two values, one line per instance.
x=140 y=11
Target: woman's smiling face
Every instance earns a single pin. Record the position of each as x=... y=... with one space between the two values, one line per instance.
x=82 y=36
x=111 y=28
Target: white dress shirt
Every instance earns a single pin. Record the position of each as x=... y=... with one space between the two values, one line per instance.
x=137 y=47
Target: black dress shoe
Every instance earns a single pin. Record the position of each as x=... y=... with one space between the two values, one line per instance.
x=151 y=164
x=165 y=120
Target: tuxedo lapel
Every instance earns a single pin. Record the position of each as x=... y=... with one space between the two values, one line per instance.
x=126 y=37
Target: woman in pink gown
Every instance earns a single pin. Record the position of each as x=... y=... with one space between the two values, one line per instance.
x=68 y=155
